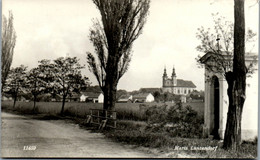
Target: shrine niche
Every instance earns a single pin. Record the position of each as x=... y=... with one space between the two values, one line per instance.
x=216 y=101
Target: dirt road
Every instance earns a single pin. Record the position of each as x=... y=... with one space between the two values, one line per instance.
x=24 y=137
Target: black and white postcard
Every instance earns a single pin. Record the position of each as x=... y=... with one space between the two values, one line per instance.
x=129 y=79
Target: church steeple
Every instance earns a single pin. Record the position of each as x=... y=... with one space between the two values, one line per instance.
x=164 y=73
x=174 y=80
x=173 y=72
x=164 y=77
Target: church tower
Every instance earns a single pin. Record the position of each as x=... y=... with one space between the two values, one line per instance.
x=165 y=77
x=174 y=80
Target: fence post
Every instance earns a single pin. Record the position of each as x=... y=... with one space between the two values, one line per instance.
x=105 y=114
x=98 y=116
x=91 y=114
x=114 y=117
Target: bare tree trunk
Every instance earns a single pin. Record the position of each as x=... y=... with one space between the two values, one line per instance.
x=236 y=91
x=15 y=99
x=34 y=103
x=63 y=105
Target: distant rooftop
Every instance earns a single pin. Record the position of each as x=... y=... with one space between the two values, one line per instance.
x=140 y=95
x=91 y=94
x=150 y=90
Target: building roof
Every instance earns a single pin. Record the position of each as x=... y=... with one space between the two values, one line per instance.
x=93 y=89
x=124 y=96
x=183 y=83
x=249 y=56
x=208 y=55
x=141 y=96
x=91 y=94
x=150 y=90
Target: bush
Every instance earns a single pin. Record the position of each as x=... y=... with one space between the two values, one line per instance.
x=156 y=114
x=177 y=121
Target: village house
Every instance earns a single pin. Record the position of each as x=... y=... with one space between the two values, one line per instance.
x=216 y=101
x=176 y=86
x=95 y=97
x=125 y=99
x=183 y=99
x=83 y=97
x=143 y=97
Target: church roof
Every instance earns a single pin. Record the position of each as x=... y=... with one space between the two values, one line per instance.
x=183 y=83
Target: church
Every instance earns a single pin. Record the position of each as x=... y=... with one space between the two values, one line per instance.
x=176 y=86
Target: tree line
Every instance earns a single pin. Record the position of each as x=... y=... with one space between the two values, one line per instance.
x=61 y=76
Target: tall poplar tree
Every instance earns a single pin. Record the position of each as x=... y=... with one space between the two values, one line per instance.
x=122 y=23
x=8 y=44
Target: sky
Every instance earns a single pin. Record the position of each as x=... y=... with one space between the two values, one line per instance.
x=48 y=29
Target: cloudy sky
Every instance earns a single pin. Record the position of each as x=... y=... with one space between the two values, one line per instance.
x=48 y=29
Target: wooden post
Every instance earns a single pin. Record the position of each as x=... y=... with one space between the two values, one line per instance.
x=98 y=116
x=114 y=117
x=91 y=114
x=89 y=119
